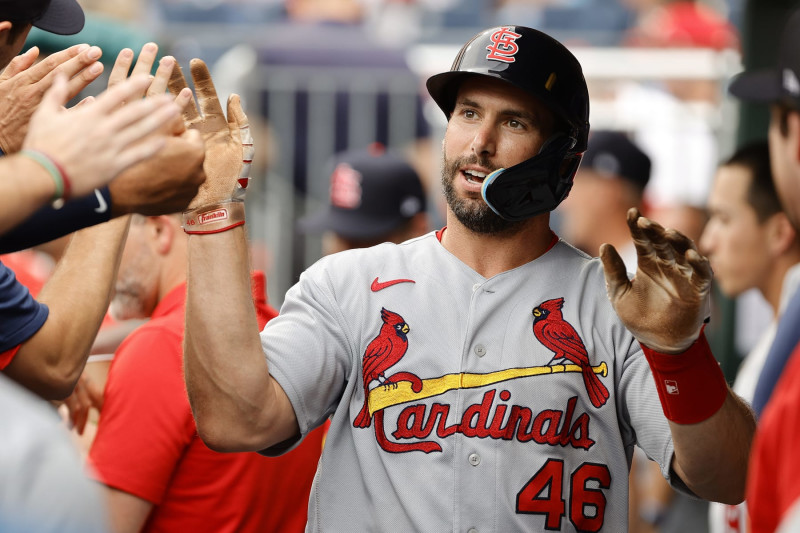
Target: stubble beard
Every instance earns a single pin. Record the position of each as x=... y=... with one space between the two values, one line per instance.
x=127 y=302
x=473 y=213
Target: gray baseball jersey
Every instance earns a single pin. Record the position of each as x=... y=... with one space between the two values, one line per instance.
x=460 y=403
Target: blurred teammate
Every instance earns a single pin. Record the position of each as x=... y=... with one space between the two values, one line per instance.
x=375 y=196
x=773 y=484
x=66 y=155
x=158 y=474
x=44 y=343
x=610 y=180
x=750 y=243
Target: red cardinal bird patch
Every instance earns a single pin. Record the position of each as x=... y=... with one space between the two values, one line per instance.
x=382 y=353
x=558 y=336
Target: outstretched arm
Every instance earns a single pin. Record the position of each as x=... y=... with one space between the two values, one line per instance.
x=237 y=405
x=78 y=294
x=114 y=137
x=665 y=306
x=164 y=182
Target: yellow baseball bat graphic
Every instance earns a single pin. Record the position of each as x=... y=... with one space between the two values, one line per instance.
x=384 y=396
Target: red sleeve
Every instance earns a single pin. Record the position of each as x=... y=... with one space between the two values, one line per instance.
x=774 y=464
x=146 y=422
x=8 y=356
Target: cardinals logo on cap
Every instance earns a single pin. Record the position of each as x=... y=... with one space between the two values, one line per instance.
x=346 y=187
x=558 y=336
x=504 y=46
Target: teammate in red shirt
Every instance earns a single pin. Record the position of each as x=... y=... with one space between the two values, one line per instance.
x=158 y=473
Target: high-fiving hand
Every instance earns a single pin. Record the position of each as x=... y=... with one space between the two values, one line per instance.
x=229 y=145
x=24 y=82
x=169 y=180
x=668 y=300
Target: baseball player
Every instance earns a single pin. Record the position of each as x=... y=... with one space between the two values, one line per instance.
x=478 y=378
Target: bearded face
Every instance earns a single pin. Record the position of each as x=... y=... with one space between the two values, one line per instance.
x=136 y=288
x=472 y=212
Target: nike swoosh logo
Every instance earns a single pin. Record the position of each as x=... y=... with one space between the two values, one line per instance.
x=380 y=285
x=102 y=206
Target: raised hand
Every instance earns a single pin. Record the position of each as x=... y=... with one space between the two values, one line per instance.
x=668 y=300
x=229 y=145
x=168 y=181
x=158 y=86
x=95 y=142
x=24 y=82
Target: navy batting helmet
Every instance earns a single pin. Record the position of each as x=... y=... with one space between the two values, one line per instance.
x=544 y=68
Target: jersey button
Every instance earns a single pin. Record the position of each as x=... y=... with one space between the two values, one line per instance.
x=474 y=459
x=476 y=287
x=480 y=350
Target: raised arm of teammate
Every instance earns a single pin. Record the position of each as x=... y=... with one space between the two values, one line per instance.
x=78 y=293
x=162 y=183
x=116 y=137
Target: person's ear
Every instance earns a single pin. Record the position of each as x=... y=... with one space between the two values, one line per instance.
x=5 y=28
x=781 y=234
x=162 y=234
x=793 y=126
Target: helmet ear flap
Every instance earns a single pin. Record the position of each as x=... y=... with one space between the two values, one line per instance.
x=537 y=185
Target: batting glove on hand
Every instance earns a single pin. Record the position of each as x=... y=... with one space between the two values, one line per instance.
x=666 y=304
x=229 y=145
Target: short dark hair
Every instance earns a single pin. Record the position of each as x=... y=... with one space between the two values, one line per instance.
x=761 y=193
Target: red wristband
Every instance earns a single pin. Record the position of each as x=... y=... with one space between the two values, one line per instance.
x=214 y=218
x=690 y=385
x=65 y=178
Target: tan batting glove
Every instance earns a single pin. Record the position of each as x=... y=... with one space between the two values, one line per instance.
x=229 y=145
x=666 y=304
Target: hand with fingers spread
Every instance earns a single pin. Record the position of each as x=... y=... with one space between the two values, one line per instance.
x=166 y=182
x=229 y=145
x=24 y=82
x=116 y=137
x=667 y=302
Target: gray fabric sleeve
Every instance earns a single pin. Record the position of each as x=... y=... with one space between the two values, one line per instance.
x=645 y=416
x=309 y=349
